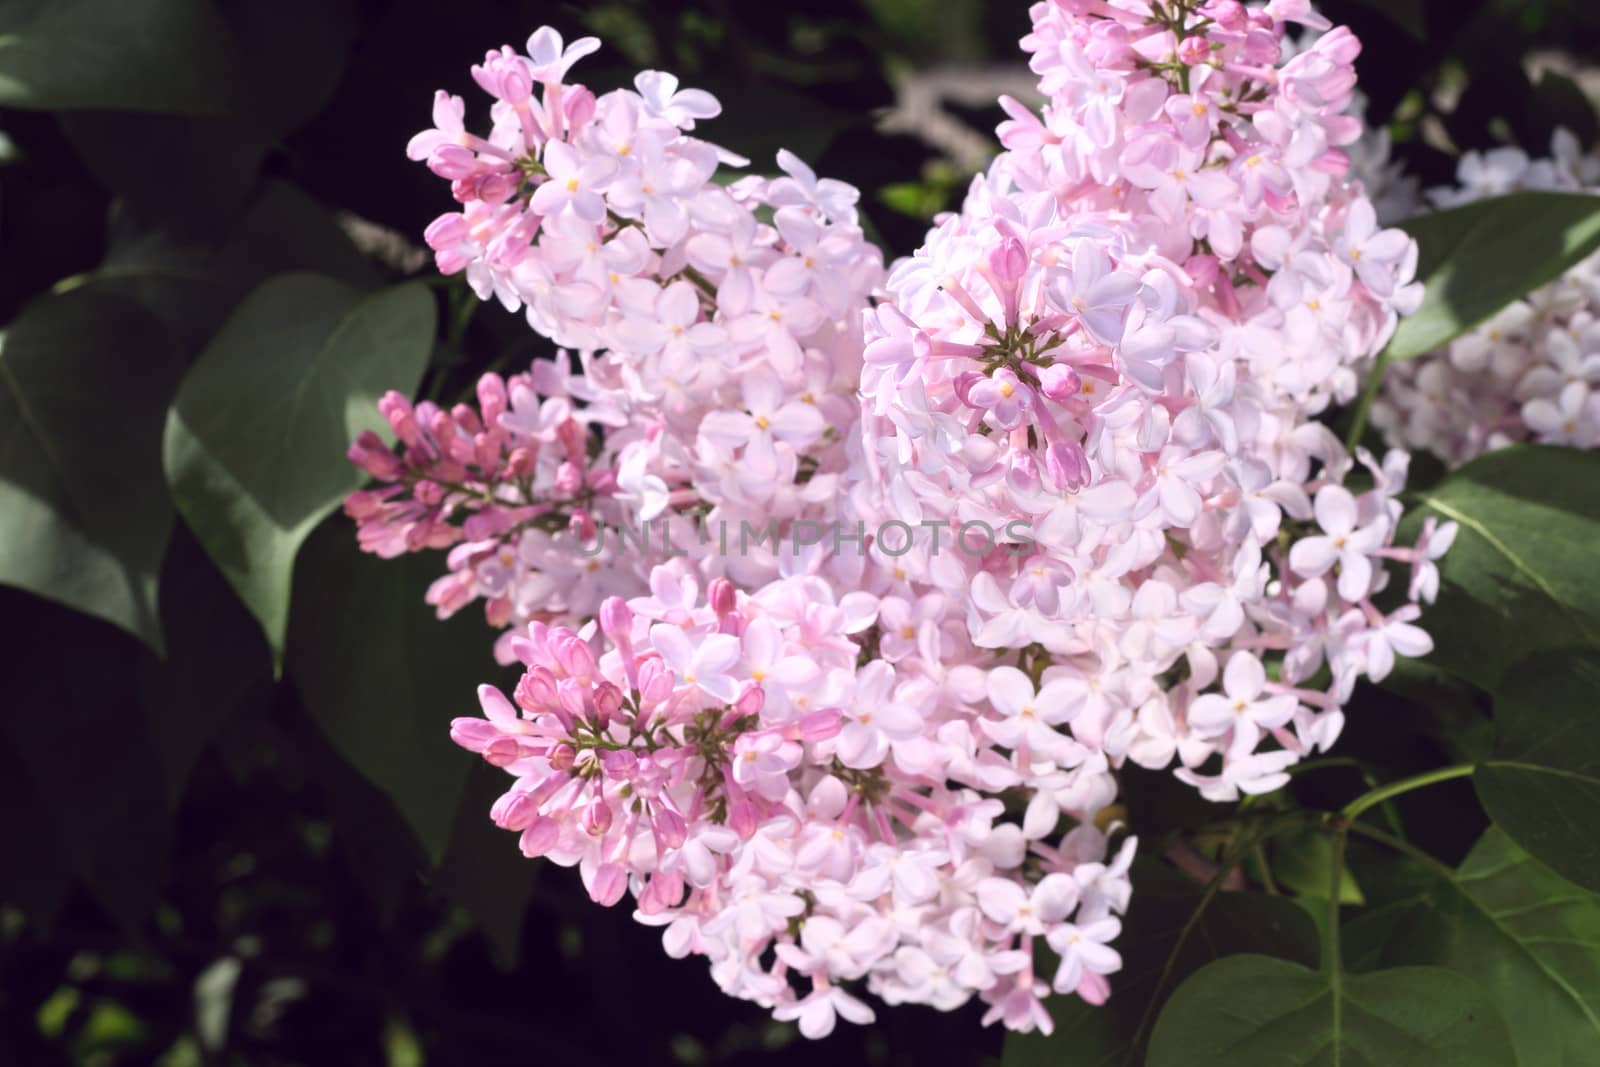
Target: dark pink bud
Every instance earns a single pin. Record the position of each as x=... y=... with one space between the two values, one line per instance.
x=607 y=700
x=521 y=462
x=540 y=837
x=1194 y=50
x=536 y=691
x=572 y=653
x=610 y=882
x=583 y=527
x=514 y=811
x=724 y=599
x=655 y=680
x=742 y=815
x=596 y=818
x=562 y=757
x=669 y=828
x=821 y=725
x=750 y=701
x=492 y=398
x=579 y=104
x=1067 y=465
x=1059 y=382
x=569 y=478
x=616 y=620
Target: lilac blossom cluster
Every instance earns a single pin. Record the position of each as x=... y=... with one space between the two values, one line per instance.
x=895 y=769
x=1532 y=372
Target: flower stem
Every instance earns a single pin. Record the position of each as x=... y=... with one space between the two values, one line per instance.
x=1358 y=423
x=1404 y=785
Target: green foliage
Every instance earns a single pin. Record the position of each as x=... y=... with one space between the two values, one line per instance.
x=1542 y=783
x=174 y=56
x=1520 y=577
x=383 y=677
x=1476 y=259
x=1508 y=922
x=255 y=441
x=84 y=383
x=1256 y=1011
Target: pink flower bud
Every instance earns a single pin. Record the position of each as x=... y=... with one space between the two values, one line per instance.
x=610 y=882
x=616 y=621
x=1194 y=50
x=821 y=725
x=536 y=690
x=1060 y=382
x=669 y=828
x=751 y=701
x=562 y=757
x=724 y=599
x=607 y=701
x=1067 y=465
x=540 y=837
x=1008 y=261
x=514 y=811
x=569 y=478
x=596 y=818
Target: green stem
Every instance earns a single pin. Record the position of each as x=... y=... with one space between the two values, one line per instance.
x=1404 y=847
x=1330 y=935
x=1404 y=785
x=1358 y=423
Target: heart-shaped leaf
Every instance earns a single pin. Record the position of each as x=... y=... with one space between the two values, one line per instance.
x=256 y=440
x=84 y=381
x=1255 y=1011
x=1509 y=922
x=1542 y=784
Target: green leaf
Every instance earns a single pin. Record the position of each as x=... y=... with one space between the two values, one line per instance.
x=174 y=56
x=217 y=665
x=192 y=284
x=1255 y=1011
x=95 y=774
x=382 y=677
x=1303 y=862
x=256 y=440
x=1520 y=577
x=1168 y=933
x=1476 y=259
x=84 y=519
x=484 y=870
x=1527 y=935
x=1542 y=784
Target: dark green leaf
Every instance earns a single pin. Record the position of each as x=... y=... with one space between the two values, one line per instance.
x=256 y=439
x=1303 y=862
x=84 y=381
x=192 y=284
x=1542 y=785
x=173 y=56
x=94 y=773
x=1255 y=1011
x=383 y=677
x=1521 y=576
x=1153 y=941
x=217 y=664
x=1525 y=934
x=1474 y=260
x=484 y=870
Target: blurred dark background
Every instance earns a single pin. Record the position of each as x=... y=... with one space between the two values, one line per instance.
x=201 y=865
